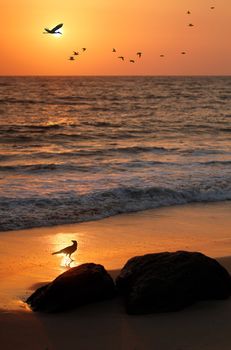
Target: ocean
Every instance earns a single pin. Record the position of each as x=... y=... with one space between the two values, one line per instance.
x=75 y=149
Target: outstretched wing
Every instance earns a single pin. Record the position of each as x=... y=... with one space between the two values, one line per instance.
x=56 y=27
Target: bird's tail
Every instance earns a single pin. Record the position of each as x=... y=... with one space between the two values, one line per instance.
x=56 y=252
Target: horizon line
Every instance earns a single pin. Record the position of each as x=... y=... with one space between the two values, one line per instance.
x=116 y=75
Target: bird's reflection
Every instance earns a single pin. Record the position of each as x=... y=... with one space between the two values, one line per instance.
x=67 y=262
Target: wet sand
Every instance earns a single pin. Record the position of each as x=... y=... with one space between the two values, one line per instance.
x=26 y=263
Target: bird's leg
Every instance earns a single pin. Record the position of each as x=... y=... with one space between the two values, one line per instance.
x=70 y=258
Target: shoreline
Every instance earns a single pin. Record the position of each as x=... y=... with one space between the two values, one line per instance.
x=27 y=263
x=132 y=212
x=62 y=213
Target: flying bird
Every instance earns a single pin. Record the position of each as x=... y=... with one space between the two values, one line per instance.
x=71 y=58
x=212 y=7
x=84 y=49
x=75 y=53
x=68 y=250
x=53 y=30
x=183 y=53
x=188 y=12
x=132 y=61
x=191 y=25
x=121 y=57
x=139 y=54
x=113 y=50
x=161 y=55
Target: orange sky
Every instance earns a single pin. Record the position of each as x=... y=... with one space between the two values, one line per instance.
x=151 y=26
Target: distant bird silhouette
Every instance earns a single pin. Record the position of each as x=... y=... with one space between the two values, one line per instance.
x=71 y=58
x=161 y=55
x=132 y=61
x=84 y=49
x=139 y=54
x=75 y=53
x=53 y=30
x=113 y=50
x=188 y=12
x=183 y=53
x=191 y=25
x=212 y=7
x=68 y=250
x=121 y=57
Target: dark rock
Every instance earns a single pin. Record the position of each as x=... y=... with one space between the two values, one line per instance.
x=78 y=286
x=166 y=281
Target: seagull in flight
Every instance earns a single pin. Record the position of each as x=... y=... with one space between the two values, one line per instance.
x=113 y=50
x=121 y=57
x=71 y=58
x=84 y=49
x=183 y=53
x=54 y=30
x=132 y=61
x=191 y=25
x=139 y=54
x=68 y=250
x=188 y=13
x=75 y=53
x=161 y=55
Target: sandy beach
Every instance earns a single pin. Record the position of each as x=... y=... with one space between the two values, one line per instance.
x=26 y=263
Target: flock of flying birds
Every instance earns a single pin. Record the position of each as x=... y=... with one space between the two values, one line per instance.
x=75 y=54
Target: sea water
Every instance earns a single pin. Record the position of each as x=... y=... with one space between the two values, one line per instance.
x=74 y=149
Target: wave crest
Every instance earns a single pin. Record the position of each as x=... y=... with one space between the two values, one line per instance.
x=69 y=207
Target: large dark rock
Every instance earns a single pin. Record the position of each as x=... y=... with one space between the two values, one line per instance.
x=78 y=286
x=166 y=281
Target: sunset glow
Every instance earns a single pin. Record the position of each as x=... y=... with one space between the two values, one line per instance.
x=153 y=28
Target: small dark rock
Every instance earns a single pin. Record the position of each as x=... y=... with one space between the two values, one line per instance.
x=78 y=286
x=166 y=281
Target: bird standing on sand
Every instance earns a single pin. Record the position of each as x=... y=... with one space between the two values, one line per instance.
x=68 y=250
x=54 y=30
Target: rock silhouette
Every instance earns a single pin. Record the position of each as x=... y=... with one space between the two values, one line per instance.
x=166 y=281
x=78 y=286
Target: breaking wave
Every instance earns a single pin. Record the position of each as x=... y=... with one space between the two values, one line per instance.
x=68 y=207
